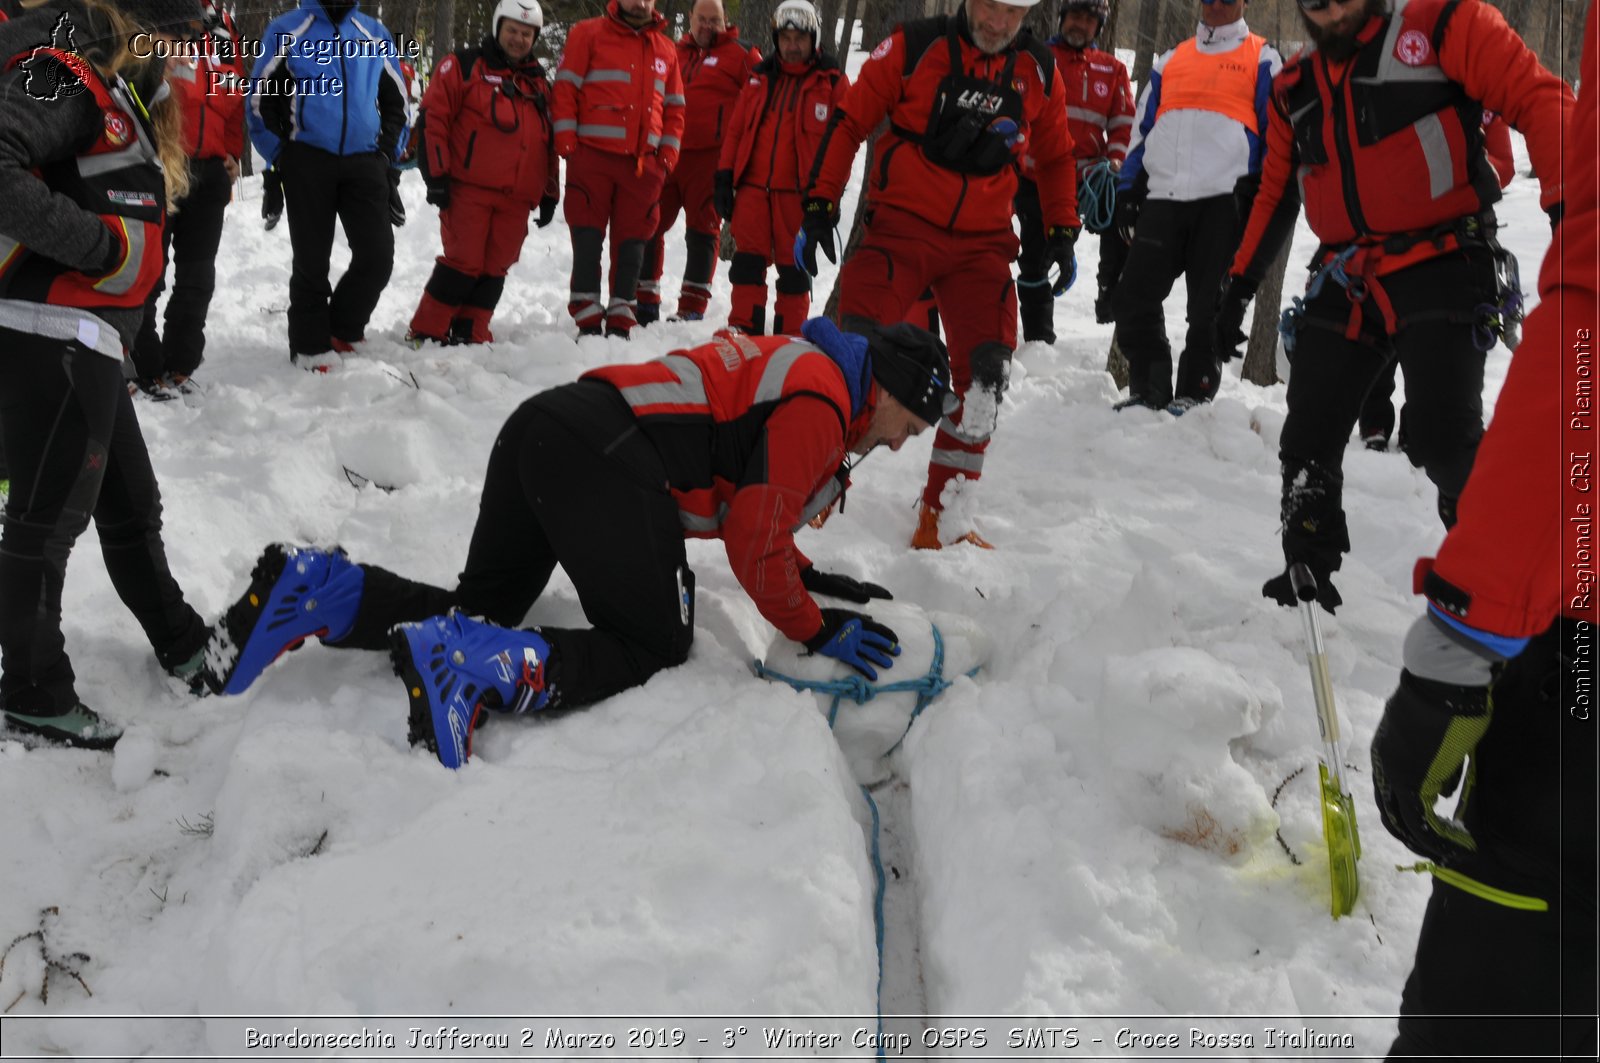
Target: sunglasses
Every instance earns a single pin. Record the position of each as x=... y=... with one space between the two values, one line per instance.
x=1314 y=5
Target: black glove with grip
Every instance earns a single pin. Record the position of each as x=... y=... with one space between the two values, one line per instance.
x=722 y=193
x=1419 y=750
x=1227 y=327
x=397 y=205
x=547 y=211
x=1281 y=590
x=1060 y=242
x=837 y=586
x=818 y=220
x=439 y=192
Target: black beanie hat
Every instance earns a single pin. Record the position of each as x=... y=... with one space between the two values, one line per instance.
x=911 y=364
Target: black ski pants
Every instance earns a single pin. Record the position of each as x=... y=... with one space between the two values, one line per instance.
x=190 y=242
x=1531 y=810
x=1196 y=238
x=75 y=451
x=320 y=188
x=1434 y=305
x=1033 y=259
x=571 y=481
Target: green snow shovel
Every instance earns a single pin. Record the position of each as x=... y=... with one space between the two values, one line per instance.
x=1338 y=811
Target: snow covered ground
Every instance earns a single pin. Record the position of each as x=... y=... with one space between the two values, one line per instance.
x=1116 y=818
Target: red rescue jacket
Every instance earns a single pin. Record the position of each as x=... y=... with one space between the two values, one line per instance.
x=821 y=91
x=901 y=82
x=618 y=89
x=1390 y=142
x=1523 y=548
x=486 y=122
x=115 y=177
x=1099 y=101
x=712 y=78
x=211 y=88
x=753 y=431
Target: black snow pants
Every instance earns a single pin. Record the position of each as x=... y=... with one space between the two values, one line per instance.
x=320 y=188
x=1434 y=305
x=191 y=239
x=75 y=451
x=1531 y=810
x=571 y=481
x=1197 y=239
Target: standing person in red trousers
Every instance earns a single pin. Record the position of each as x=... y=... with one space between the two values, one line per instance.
x=714 y=66
x=619 y=122
x=488 y=159
x=775 y=133
x=965 y=96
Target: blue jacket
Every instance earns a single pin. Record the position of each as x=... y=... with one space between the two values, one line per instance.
x=328 y=76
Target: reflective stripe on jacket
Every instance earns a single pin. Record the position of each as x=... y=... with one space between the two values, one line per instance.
x=618 y=89
x=753 y=433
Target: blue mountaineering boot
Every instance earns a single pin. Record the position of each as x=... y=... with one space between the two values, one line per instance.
x=454 y=667
x=295 y=592
x=79 y=726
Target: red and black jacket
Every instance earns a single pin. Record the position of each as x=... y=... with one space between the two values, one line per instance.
x=486 y=122
x=115 y=176
x=1390 y=142
x=753 y=431
x=211 y=88
x=818 y=95
x=903 y=81
x=712 y=78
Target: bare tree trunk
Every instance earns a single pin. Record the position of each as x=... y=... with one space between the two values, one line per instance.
x=1117 y=363
x=1177 y=24
x=1144 y=41
x=847 y=34
x=857 y=228
x=1261 y=355
x=442 y=38
x=1108 y=32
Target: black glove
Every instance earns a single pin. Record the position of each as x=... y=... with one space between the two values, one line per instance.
x=547 y=211
x=1280 y=590
x=272 y=197
x=857 y=640
x=397 y=205
x=439 y=192
x=836 y=586
x=1059 y=243
x=1127 y=215
x=722 y=193
x=818 y=220
x=1418 y=752
x=1227 y=328
x=1557 y=211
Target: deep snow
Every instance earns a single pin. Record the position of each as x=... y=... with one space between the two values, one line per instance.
x=1097 y=815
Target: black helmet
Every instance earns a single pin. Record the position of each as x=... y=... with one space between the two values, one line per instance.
x=1100 y=9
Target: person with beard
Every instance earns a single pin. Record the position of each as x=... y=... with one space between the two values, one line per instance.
x=1378 y=127
x=488 y=160
x=1202 y=120
x=1499 y=671
x=91 y=155
x=964 y=96
x=210 y=84
x=327 y=112
x=619 y=117
x=772 y=140
x=741 y=439
x=1100 y=118
x=714 y=66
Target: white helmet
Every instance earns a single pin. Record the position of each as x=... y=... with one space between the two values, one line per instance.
x=527 y=12
x=796 y=15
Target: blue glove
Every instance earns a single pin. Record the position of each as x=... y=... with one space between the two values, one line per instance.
x=818 y=219
x=857 y=640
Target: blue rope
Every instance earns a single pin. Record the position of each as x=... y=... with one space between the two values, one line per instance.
x=856 y=688
x=1289 y=320
x=1097 y=196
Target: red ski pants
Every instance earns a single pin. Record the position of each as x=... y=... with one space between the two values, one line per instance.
x=687 y=190
x=900 y=256
x=764 y=224
x=482 y=232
